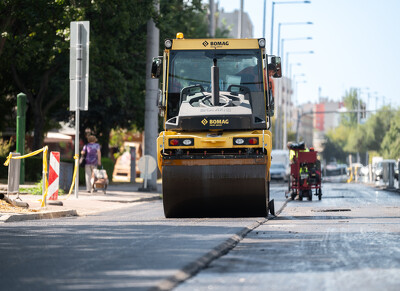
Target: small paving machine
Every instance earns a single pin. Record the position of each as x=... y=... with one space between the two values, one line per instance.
x=305 y=173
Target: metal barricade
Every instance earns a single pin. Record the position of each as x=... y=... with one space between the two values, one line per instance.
x=14 y=169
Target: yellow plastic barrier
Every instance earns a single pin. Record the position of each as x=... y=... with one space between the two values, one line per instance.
x=44 y=150
x=46 y=182
x=351 y=175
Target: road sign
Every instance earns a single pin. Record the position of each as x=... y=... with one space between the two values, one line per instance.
x=146 y=165
x=79 y=66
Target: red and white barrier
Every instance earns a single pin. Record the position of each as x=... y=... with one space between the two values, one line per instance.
x=54 y=172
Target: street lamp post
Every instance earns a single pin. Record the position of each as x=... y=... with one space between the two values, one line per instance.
x=272 y=18
x=278 y=127
x=288 y=53
x=358 y=113
x=290 y=69
x=288 y=23
x=284 y=137
x=297 y=83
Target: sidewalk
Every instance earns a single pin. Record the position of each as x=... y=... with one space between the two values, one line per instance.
x=118 y=196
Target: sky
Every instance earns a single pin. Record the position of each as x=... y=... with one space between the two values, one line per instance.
x=356 y=44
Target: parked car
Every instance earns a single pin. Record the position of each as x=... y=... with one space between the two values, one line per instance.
x=278 y=172
x=336 y=173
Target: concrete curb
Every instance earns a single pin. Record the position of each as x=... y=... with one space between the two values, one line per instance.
x=39 y=215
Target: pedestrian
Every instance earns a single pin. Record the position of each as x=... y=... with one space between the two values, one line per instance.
x=92 y=157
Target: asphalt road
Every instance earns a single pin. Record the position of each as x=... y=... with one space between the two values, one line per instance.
x=347 y=241
x=137 y=248
x=132 y=248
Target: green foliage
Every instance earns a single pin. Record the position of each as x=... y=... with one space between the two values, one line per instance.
x=33 y=168
x=350 y=101
x=6 y=146
x=3 y=169
x=380 y=135
x=336 y=141
x=34 y=58
x=377 y=127
x=391 y=141
x=188 y=17
x=36 y=190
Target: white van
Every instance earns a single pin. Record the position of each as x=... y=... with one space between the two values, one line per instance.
x=281 y=157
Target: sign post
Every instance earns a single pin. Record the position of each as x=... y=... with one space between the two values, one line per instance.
x=79 y=77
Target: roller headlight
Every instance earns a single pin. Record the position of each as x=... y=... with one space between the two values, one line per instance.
x=239 y=141
x=181 y=142
x=187 y=142
x=261 y=42
x=168 y=43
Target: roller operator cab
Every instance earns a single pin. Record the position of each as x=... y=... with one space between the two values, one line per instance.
x=214 y=153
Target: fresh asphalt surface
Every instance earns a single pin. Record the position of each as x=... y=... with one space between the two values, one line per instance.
x=347 y=241
x=137 y=248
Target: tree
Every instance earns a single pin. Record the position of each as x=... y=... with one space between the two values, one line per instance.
x=34 y=52
x=188 y=17
x=34 y=49
x=350 y=100
x=390 y=148
x=334 y=146
x=377 y=127
x=117 y=66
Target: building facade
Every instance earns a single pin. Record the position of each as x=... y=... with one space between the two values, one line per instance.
x=230 y=20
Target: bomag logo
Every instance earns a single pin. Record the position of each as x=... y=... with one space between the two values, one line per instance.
x=219 y=43
x=218 y=122
x=204 y=121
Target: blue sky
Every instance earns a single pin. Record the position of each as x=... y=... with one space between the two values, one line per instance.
x=356 y=43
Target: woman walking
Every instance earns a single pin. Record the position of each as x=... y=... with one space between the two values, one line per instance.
x=93 y=159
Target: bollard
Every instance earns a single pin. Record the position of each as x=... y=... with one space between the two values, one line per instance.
x=14 y=170
x=398 y=174
x=391 y=175
x=370 y=173
x=133 y=164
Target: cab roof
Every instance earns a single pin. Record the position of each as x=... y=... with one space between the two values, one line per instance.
x=210 y=44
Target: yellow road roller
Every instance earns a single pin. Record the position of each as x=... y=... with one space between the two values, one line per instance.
x=214 y=153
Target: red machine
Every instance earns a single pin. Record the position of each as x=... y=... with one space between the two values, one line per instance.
x=305 y=173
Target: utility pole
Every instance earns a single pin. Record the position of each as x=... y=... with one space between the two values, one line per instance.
x=212 y=19
x=151 y=110
x=240 y=19
x=264 y=17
